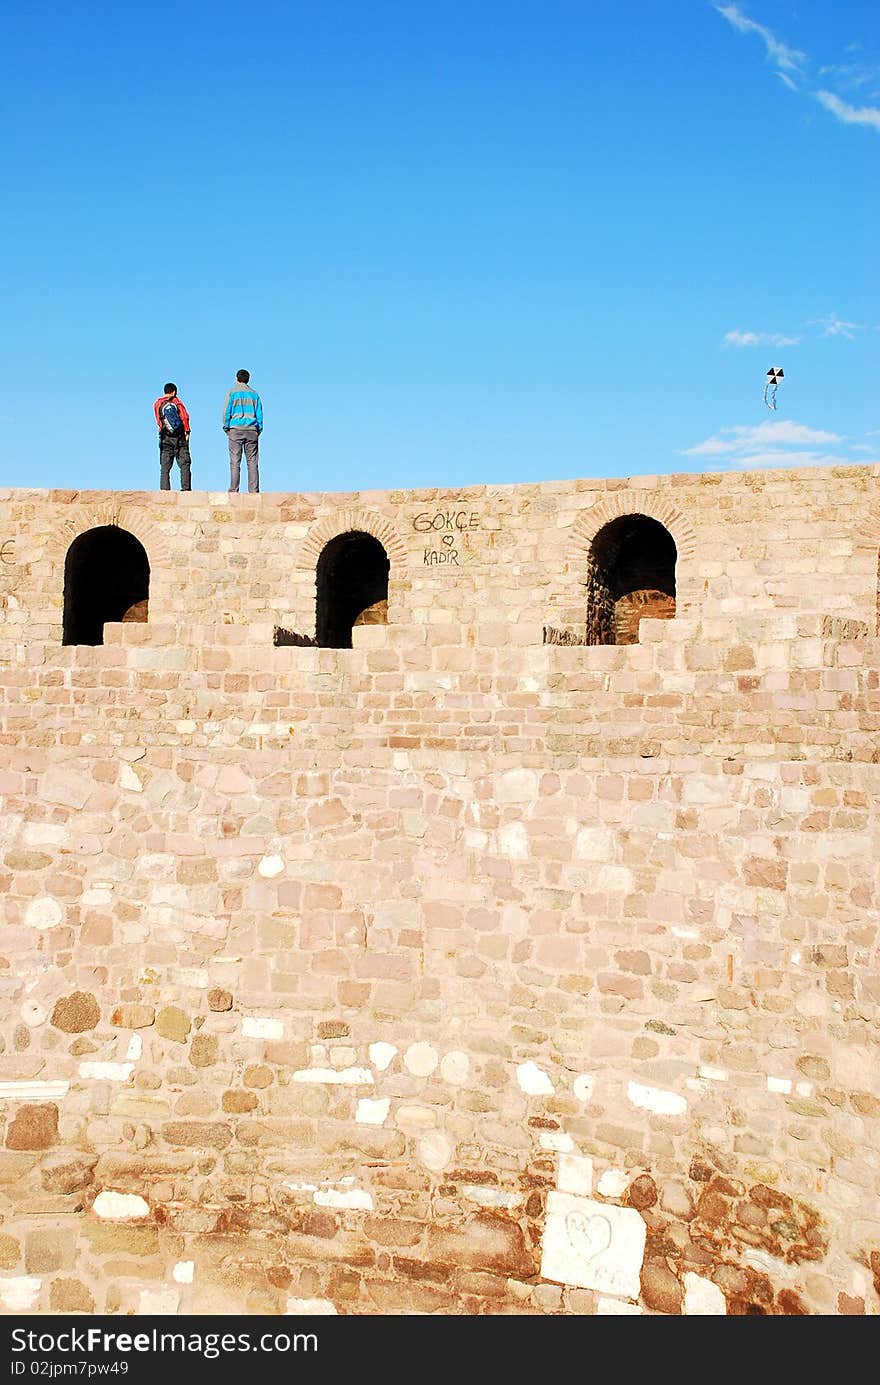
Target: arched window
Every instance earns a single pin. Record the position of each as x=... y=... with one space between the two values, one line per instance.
x=630 y=574
x=106 y=577
x=352 y=588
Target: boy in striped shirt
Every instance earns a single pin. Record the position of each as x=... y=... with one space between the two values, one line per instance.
x=243 y=424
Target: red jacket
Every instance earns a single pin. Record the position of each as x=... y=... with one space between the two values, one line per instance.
x=181 y=409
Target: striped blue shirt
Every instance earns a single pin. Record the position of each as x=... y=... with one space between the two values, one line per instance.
x=243 y=409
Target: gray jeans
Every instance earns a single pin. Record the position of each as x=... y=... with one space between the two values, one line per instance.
x=249 y=439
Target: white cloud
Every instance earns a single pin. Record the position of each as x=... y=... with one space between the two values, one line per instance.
x=836 y=327
x=749 y=437
x=790 y=62
x=850 y=115
x=758 y=339
x=788 y=59
x=781 y=444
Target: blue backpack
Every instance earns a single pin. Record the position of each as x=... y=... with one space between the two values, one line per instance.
x=170 y=416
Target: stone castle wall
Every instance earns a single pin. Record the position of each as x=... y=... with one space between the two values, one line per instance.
x=456 y=971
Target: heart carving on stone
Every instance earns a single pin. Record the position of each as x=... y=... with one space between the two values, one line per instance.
x=587 y=1236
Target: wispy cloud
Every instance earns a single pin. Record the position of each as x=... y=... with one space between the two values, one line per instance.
x=787 y=60
x=790 y=67
x=850 y=115
x=751 y=447
x=748 y=437
x=834 y=326
x=758 y=339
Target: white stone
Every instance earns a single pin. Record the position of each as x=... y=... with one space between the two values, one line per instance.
x=491 y=1197
x=420 y=1059
x=584 y=1085
x=270 y=866
x=516 y=786
x=804 y=1088
x=513 y=841
x=158 y=1301
x=129 y=780
x=135 y=1048
x=31 y=1090
x=43 y=913
x=348 y=1077
x=309 y=1307
x=98 y=894
x=381 y=1055
x=594 y=844
x=556 y=1141
x=20 y=1293
x=702 y=1297
x=119 y=1206
x=779 y=1084
x=654 y=1099
x=593 y=1245
x=371 y=1112
x=356 y=1199
x=533 y=1080
x=435 y=1150
x=33 y=1014
x=253 y=1027
x=106 y=1072
x=184 y=1271
x=619 y=1306
x=455 y=1068
x=613 y=1183
x=574 y=1174
x=713 y=1074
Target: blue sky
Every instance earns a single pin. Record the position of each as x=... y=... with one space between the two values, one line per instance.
x=454 y=243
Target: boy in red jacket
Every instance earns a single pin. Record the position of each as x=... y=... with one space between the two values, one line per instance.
x=173 y=423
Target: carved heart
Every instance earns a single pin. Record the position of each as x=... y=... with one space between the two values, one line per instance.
x=587 y=1236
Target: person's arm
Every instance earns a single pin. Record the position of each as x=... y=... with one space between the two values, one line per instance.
x=259 y=412
x=184 y=416
x=156 y=412
x=227 y=411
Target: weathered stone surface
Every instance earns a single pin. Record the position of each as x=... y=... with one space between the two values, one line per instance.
x=134 y=1016
x=197 y=1134
x=33 y=1127
x=642 y=1192
x=70 y=1296
x=173 y=1023
x=68 y=1171
x=483 y=1242
x=10 y=1251
x=76 y=1013
x=237 y=1102
x=47 y=1249
x=661 y=1289
x=203 y=1050
x=219 y=1000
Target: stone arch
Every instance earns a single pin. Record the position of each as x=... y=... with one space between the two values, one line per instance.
x=106 y=578
x=630 y=574
x=349 y=522
x=630 y=501
x=628 y=526
x=351 y=587
x=116 y=513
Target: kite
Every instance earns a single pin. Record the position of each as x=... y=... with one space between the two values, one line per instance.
x=774 y=375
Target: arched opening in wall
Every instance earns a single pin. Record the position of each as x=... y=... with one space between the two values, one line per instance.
x=352 y=588
x=630 y=575
x=106 y=577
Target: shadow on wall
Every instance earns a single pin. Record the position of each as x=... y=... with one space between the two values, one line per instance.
x=352 y=588
x=106 y=577
x=630 y=575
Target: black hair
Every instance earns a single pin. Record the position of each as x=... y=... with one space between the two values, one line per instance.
x=170 y=388
x=243 y=376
